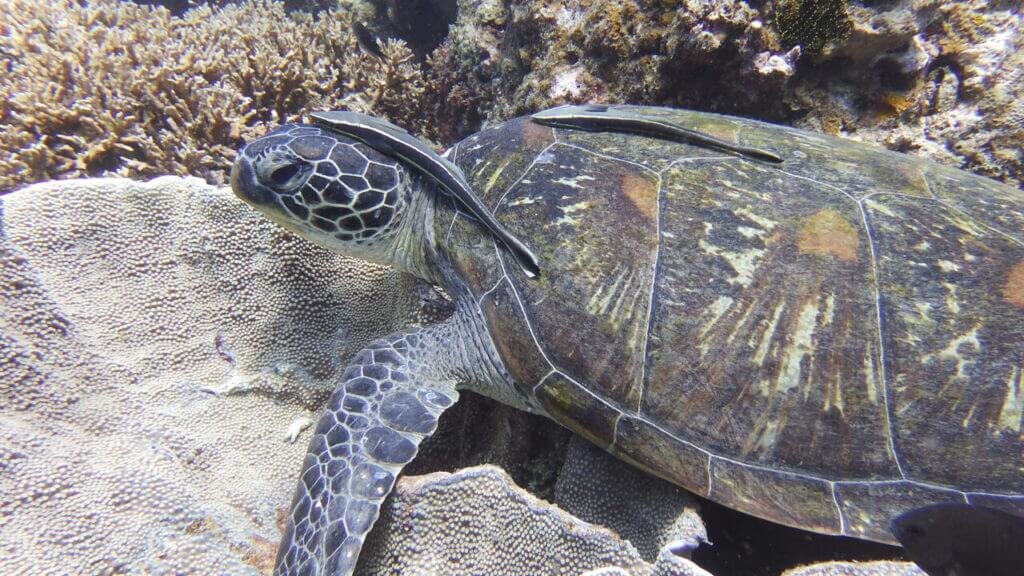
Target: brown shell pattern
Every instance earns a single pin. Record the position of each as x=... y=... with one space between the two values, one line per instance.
x=826 y=343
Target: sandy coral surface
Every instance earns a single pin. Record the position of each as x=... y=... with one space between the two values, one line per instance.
x=160 y=342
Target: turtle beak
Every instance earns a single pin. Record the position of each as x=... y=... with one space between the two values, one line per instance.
x=246 y=186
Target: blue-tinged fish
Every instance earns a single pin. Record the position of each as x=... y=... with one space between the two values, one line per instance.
x=962 y=540
x=367 y=41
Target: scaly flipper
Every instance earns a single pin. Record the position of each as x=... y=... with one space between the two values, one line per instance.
x=389 y=400
x=600 y=118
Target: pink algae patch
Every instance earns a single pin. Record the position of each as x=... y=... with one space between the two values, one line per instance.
x=1013 y=290
x=828 y=233
x=643 y=193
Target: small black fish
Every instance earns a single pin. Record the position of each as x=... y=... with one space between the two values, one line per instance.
x=962 y=540
x=367 y=41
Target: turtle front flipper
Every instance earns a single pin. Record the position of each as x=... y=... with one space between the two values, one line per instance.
x=386 y=404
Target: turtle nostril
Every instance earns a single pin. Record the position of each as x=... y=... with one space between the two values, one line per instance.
x=242 y=177
x=245 y=185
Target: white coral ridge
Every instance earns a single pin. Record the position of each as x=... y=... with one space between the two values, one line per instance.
x=767 y=64
x=123 y=305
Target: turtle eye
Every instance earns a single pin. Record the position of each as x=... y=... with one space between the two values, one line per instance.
x=282 y=176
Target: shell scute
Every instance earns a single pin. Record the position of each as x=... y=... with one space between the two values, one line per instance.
x=594 y=261
x=954 y=343
x=862 y=503
x=567 y=401
x=764 y=322
x=523 y=358
x=652 y=449
x=787 y=498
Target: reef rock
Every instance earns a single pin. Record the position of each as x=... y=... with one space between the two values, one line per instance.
x=938 y=79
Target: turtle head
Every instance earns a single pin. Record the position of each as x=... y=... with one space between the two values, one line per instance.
x=327 y=188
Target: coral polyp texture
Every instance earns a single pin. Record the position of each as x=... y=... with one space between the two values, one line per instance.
x=159 y=342
x=477 y=521
x=113 y=88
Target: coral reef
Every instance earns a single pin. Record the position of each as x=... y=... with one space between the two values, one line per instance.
x=119 y=89
x=519 y=57
x=938 y=79
x=858 y=569
x=115 y=88
x=945 y=81
x=484 y=524
x=423 y=24
x=812 y=24
x=145 y=398
x=178 y=7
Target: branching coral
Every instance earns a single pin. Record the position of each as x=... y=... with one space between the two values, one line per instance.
x=116 y=88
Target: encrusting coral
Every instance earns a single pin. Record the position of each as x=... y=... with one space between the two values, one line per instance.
x=812 y=24
x=932 y=78
x=513 y=59
x=115 y=88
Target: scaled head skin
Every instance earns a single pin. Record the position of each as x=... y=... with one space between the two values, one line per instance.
x=323 y=186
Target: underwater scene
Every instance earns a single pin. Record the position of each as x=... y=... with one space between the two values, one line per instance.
x=512 y=287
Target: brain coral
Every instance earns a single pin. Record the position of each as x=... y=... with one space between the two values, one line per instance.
x=477 y=521
x=113 y=88
x=649 y=512
x=858 y=569
x=157 y=340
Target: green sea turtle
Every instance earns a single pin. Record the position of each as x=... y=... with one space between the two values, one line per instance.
x=825 y=342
